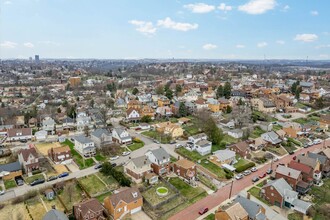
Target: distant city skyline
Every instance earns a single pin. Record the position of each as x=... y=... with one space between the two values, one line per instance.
x=107 y=29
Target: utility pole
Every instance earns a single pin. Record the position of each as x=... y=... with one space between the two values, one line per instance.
x=231 y=188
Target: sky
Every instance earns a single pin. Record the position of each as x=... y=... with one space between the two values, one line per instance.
x=136 y=29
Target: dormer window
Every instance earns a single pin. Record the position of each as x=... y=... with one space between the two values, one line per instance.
x=135 y=194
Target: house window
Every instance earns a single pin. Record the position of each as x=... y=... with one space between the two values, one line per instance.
x=119 y=210
x=272 y=194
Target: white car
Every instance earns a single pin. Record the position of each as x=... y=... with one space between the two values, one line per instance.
x=178 y=145
x=114 y=158
x=2 y=192
x=247 y=172
x=317 y=141
x=239 y=176
x=254 y=169
x=275 y=159
x=126 y=153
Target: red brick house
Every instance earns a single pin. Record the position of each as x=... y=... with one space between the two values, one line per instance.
x=160 y=161
x=89 y=210
x=29 y=159
x=60 y=154
x=241 y=148
x=185 y=168
x=306 y=171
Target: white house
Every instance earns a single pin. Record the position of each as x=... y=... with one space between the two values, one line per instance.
x=84 y=146
x=144 y=126
x=199 y=143
x=16 y=134
x=133 y=114
x=41 y=135
x=48 y=124
x=83 y=120
x=198 y=137
x=271 y=137
x=121 y=136
x=236 y=133
x=191 y=96
x=101 y=136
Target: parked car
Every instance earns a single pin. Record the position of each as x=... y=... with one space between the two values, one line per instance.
x=239 y=176
x=137 y=129
x=2 y=192
x=37 y=181
x=269 y=171
x=294 y=157
x=247 y=172
x=291 y=152
x=178 y=146
x=203 y=211
x=63 y=175
x=98 y=166
x=23 y=141
x=172 y=142
x=19 y=181
x=254 y=169
x=317 y=141
x=113 y=164
x=156 y=141
x=126 y=153
x=262 y=175
x=275 y=159
x=255 y=179
x=114 y=158
x=51 y=178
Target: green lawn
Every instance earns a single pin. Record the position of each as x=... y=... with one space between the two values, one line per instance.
x=109 y=180
x=241 y=162
x=135 y=146
x=9 y=184
x=77 y=157
x=93 y=184
x=228 y=139
x=151 y=196
x=185 y=189
x=100 y=157
x=191 y=155
x=276 y=150
x=301 y=121
x=30 y=179
x=213 y=168
x=288 y=146
x=277 y=127
x=210 y=217
x=101 y=197
x=216 y=147
x=257 y=132
x=295 y=216
x=256 y=193
x=191 y=129
x=156 y=135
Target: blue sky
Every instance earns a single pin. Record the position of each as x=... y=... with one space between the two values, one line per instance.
x=232 y=29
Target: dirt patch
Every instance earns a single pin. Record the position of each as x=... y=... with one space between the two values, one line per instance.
x=36 y=208
x=44 y=147
x=14 y=212
x=60 y=168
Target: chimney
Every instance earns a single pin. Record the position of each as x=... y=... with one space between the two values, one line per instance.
x=289 y=174
x=248 y=196
x=178 y=157
x=53 y=207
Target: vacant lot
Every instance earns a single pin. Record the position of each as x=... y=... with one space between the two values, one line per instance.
x=60 y=168
x=321 y=201
x=151 y=196
x=213 y=168
x=71 y=194
x=109 y=181
x=93 y=184
x=278 y=150
x=191 y=155
x=55 y=202
x=185 y=189
x=30 y=179
x=14 y=212
x=255 y=191
x=164 y=139
x=36 y=208
x=44 y=147
x=257 y=132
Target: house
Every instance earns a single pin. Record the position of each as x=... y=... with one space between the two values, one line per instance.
x=326 y=166
x=60 y=155
x=293 y=178
x=164 y=111
x=220 y=157
x=147 y=98
x=125 y=202
x=314 y=163
x=90 y=209
x=255 y=211
x=138 y=167
x=266 y=126
x=203 y=147
x=281 y=194
x=33 y=122
x=48 y=124
x=85 y=146
x=135 y=104
x=201 y=104
x=54 y=214
x=29 y=159
x=263 y=105
x=183 y=120
x=49 y=194
x=271 y=137
x=282 y=102
x=169 y=128
x=82 y=121
x=121 y=136
x=163 y=101
x=257 y=144
x=10 y=170
x=236 y=133
x=151 y=178
x=133 y=114
x=325 y=122
x=281 y=133
x=227 y=123
x=160 y=161
x=41 y=135
x=101 y=137
x=304 y=98
x=198 y=137
x=185 y=168
x=233 y=212
x=191 y=96
x=306 y=171
x=147 y=110
x=68 y=124
x=213 y=105
x=292 y=131
x=224 y=103
x=144 y=126
x=241 y=148
x=16 y=134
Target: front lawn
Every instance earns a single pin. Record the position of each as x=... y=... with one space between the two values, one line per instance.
x=216 y=147
x=191 y=130
x=295 y=216
x=100 y=157
x=78 y=159
x=257 y=132
x=227 y=139
x=255 y=191
x=30 y=179
x=135 y=146
x=92 y=184
x=278 y=150
x=191 y=155
x=213 y=168
x=164 y=139
x=288 y=146
x=101 y=197
x=9 y=184
x=243 y=165
x=277 y=127
x=210 y=217
x=185 y=189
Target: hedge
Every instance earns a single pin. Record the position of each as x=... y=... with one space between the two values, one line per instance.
x=245 y=167
x=294 y=141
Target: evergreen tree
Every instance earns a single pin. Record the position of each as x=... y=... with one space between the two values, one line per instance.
x=183 y=110
x=135 y=91
x=227 y=90
x=220 y=92
x=178 y=89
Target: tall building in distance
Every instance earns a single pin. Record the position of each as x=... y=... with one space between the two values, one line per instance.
x=36 y=58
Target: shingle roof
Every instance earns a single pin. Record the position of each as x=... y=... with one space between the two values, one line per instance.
x=280 y=185
x=127 y=195
x=300 y=166
x=321 y=158
x=224 y=154
x=89 y=205
x=251 y=207
x=82 y=139
x=98 y=132
x=306 y=160
x=10 y=167
x=26 y=153
x=236 y=211
x=141 y=161
x=185 y=163
x=160 y=154
x=287 y=171
x=55 y=215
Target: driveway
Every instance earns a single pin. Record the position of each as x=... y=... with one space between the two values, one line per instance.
x=140 y=216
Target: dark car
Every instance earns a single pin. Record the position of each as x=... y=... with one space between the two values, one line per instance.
x=291 y=152
x=19 y=181
x=23 y=141
x=172 y=142
x=255 y=179
x=37 y=181
x=98 y=166
x=51 y=178
x=269 y=171
x=203 y=211
x=63 y=175
x=113 y=164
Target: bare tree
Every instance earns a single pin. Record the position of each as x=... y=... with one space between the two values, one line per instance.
x=68 y=190
x=86 y=130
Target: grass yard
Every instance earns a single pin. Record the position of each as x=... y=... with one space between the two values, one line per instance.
x=210 y=217
x=30 y=179
x=191 y=155
x=257 y=132
x=151 y=196
x=280 y=151
x=241 y=162
x=207 y=182
x=101 y=197
x=100 y=157
x=295 y=216
x=55 y=201
x=109 y=180
x=185 y=189
x=14 y=212
x=92 y=184
x=301 y=121
x=227 y=139
x=156 y=135
x=75 y=197
x=277 y=127
x=216 y=147
x=36 y=208
x=213 y=168
x=289 y=148
x=44 y=147
x=9 y=184
x=255 y=191
x=135 y=146
x=82 y=163
x=174 y=206
x=191 y=129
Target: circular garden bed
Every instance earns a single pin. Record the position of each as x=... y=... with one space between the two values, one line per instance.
x=162 y=191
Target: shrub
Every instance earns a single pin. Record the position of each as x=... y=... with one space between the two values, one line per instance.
x=137 y=140
x=34 y=172
x=229 y=174
x=245 y=167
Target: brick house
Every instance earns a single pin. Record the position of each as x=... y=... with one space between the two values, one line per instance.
x=185 y=168
x=60 y=155
x=138 y=167
x=241 y=148
x=89 y=210
x=233 y=212
x=133 y=114
x=29 y=159
x=160 y=161
x=306 y=171
x=10 y=170
x=17 y=134
x=125 y=202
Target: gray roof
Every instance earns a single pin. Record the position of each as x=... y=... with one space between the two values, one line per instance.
x=141 y=161
x=251 y=207
x=287 y=171
x=160 y=154
x=196 y=136
x=82 y=139
x=98 y=132
x=10 y=167
x=273 y=136
x=306 y=160
x=119 y=130
x=55 y=215
x=320 y=157
x=224 y=154
x=301 y=204
x=280 y=185
x=261 y=216
x=203 y=143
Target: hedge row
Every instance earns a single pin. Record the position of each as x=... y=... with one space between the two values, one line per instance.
x=245 y=167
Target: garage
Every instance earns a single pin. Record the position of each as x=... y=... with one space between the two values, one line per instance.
x=136 y=210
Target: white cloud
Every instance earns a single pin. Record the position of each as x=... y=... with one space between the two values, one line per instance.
x=240 y=46
x=314 y=13
x=28 y=44
x=306 y=37
x=224 y=7
x=8 y=45
x=286 y=8
x=257 y=6
x=262 y=44
x=170 y=24
x=199 y=8
x=209 y=46
x=145 y=27
x=323 y=46
x=280 y=42
x=7 y=3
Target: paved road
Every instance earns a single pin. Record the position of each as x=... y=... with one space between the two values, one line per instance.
x=222 y=194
